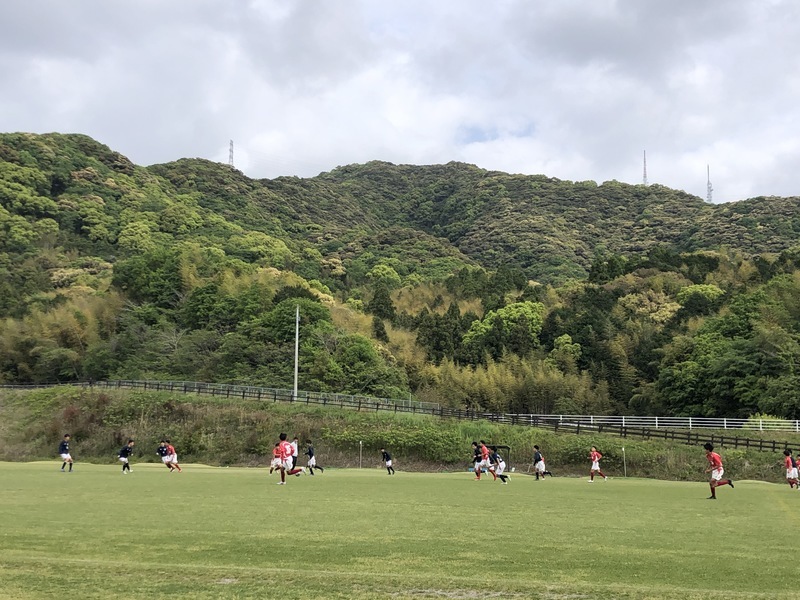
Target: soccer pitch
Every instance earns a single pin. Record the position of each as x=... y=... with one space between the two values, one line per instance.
x=232 y=533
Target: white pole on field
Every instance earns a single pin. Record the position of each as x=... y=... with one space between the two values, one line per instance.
x=296 y=348
x=360 y=449
x=624 y=462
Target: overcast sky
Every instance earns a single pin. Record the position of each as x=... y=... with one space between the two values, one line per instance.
x=574 y=89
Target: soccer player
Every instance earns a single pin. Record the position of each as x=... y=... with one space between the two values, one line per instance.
x=791 y=469
x=285 y=449
x=124 y=455
x=595 y=457
x=716 y=470
x=163 y=452
x=387 y=460
x=485 y=462
x=295 y=452
x=276 y=458
x=476 y=460
x=312 y=459
x=173 y=456
x=538 y=464
x=63 y=451
x=498 y=466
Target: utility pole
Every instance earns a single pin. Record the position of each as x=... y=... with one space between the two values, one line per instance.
x=296 y=348
x=644 y=169
x=230 y=156
x=709 y=188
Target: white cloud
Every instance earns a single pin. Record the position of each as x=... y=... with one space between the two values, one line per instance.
x=572 y=89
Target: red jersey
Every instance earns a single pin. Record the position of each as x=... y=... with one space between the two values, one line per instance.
x=715 y=460
x=484 y=452
x=170 y=449
x=276 y=452
x=285 y=449
x=595 y=456
x=789 y=462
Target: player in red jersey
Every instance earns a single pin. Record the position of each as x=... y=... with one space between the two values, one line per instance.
x=791 y=469
x=173 y=456
x=716 y=470
x=276 y=459
x=595 y=457
x=286 y=451
x=486 y=463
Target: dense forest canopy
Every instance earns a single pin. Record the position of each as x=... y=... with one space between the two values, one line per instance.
x=447 y=282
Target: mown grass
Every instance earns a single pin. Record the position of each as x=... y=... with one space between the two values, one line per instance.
x=232 y=533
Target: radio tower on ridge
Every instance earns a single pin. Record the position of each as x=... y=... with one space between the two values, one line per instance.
x=709 y=188
x=644 y=169
x=230 y=156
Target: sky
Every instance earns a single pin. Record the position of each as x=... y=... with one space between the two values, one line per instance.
x=573 y=89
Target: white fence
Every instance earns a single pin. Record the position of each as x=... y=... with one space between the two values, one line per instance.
x=665 y=422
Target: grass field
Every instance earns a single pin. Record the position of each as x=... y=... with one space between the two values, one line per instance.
x=232 y=533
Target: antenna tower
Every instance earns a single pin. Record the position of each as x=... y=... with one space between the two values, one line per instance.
x=644 y=169
x=709 y=187
x=230 y=155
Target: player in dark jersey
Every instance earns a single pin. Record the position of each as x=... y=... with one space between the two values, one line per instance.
x=538 y=463
x=165 y=455
x=312 y=459
x=498 y=465
x=476 y=460
x=387 y=460
x=124 y=455
x=63 y=451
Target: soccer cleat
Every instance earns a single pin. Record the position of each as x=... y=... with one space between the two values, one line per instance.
x=63 y=471
x=281 y=483
x=605 y=478
x=711 y=498
x=730 y=482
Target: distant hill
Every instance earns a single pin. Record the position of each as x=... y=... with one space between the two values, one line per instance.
x=412 y=279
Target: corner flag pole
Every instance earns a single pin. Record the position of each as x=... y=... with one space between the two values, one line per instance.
x=296 y=348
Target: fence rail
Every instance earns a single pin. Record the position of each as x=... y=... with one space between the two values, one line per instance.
x=671 y=422
x=679 y=429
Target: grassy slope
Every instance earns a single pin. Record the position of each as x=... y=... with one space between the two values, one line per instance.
x=232 y=533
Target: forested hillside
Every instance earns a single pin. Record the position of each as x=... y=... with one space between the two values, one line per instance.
x=447 y=282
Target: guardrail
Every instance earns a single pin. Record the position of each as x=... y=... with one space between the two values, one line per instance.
x=670 y=422
x=227 y=390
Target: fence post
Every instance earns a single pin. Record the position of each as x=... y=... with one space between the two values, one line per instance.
x=656 y=422
x=724 y=423
x=761 y=424
x=690 y=422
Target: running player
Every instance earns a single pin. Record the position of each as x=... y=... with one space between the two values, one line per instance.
x=276 y=458
x=485 y=462
x=716 y=470
x=163 y=452
x=476 y=460
x=312 y=459
x=595 y=457
x=63 y=451
x=791 y=469
x=538 y=464
x=285 y=449
x=173 y=456
x=498 y=465
x=387 y=460
x=124 y=455
x=295 y=451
